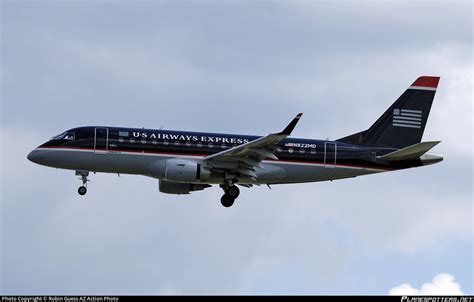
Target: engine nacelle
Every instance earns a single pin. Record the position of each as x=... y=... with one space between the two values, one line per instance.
x=182 y=170
x=171 y=187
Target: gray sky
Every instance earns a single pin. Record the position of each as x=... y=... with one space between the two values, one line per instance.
x=235 y=67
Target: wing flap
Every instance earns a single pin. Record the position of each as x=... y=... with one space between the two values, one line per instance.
x=264 y=153
x=247 y=172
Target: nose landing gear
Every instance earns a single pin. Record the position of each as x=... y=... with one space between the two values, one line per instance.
x=82 y=190
x=231 y=192
x=83 y=174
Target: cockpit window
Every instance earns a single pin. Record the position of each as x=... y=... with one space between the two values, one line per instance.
x=66 y=135
x=69 y=136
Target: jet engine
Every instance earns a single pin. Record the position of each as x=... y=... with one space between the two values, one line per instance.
x=172 y=187
x=182 y=170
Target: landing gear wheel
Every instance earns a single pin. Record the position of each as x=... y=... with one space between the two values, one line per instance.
x=227 y=200
x=82 y=190
x=83 y=174
x=233 y=191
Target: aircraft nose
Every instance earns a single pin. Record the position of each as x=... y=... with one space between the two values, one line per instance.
x=34 y=156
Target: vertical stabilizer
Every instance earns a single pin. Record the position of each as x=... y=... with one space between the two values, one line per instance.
x=404 y=122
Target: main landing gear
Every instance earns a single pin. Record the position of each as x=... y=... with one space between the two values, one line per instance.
x=83 y=174
x=231 y=192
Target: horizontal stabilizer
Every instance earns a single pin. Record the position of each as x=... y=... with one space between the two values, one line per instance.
x=410 y=152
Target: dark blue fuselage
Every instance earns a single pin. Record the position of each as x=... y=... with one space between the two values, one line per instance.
x=116 y=139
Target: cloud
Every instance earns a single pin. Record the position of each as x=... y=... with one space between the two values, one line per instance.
x=443 y=284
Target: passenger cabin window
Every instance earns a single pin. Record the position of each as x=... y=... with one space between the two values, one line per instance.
x=211 y=145
x=188 y=144
x=132 y=141
x=290 y=150
x=154 y=142
x=166 y=143
x=313 y=151
x=199 y=145
x=177 y=143
x=301 y=151
x=121 y=140
x=143 y=141
x=223 y=146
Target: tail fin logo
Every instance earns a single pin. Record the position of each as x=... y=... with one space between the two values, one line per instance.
x=407 y=118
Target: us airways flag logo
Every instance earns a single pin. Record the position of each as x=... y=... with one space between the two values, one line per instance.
x=407 y=118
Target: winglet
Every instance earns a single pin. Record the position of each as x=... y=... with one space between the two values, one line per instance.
x=291 y=125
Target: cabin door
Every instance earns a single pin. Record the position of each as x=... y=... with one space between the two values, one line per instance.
x=101 y=140
x=330 y=154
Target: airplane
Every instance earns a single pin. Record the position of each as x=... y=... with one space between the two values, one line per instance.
x=185 y=162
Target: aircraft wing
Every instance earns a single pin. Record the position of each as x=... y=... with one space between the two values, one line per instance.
x=243 y=159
